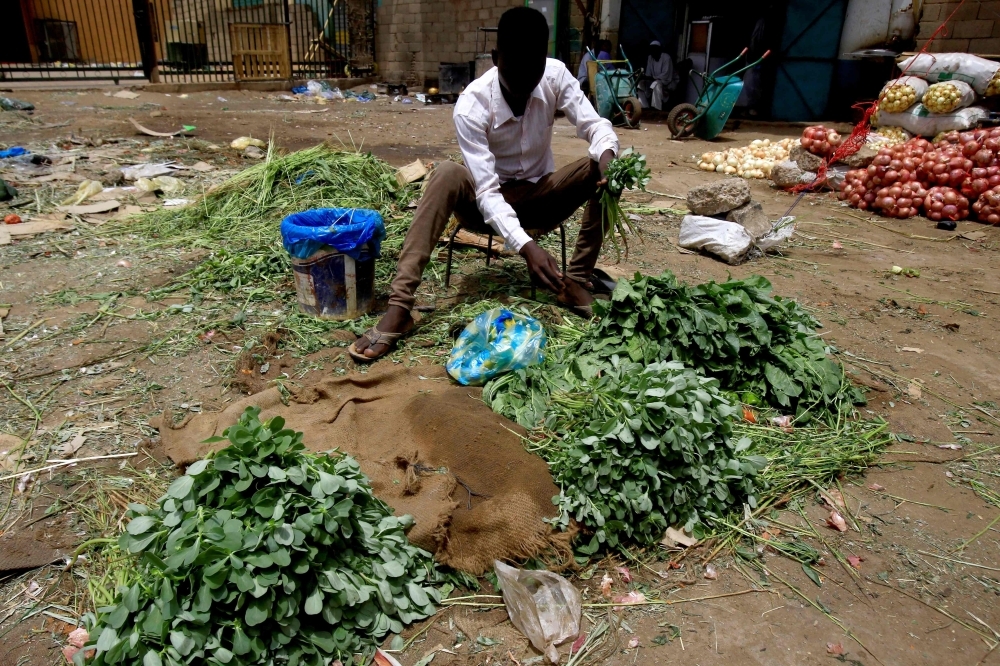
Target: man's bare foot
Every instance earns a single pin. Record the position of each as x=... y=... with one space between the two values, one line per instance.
x=574 y=294
x=395 y=320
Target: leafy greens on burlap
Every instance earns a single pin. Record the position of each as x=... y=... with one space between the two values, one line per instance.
x=264 y=553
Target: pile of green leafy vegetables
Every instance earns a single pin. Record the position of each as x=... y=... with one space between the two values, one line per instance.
x=761 y=347
x=264 y=554
x=654 y=448
x=635 y=411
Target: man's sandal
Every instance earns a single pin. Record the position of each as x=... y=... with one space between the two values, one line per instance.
x=375 y=337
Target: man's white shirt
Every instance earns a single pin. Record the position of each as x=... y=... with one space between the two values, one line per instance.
x=498 y=147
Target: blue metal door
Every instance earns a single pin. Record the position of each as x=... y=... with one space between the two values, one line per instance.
x=807 y=61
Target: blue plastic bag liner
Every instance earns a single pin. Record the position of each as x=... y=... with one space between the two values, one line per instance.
x=347 y=230
x=497 y=341
x=15 y=151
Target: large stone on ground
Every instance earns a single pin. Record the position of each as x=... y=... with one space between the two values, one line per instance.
x=718 y=197
x=806 y=160
x=753 y=218
x=788 y=174
x=862 y=158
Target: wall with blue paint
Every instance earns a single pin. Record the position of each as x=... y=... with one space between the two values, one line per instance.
x=806 y=65
x=642 y=21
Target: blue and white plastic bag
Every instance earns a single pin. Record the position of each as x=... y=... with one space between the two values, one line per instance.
x=497 y=341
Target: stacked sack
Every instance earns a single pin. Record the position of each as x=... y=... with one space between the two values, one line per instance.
x=956 y=176
x=937 y=94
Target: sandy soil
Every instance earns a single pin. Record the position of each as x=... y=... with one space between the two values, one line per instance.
x=905 y=603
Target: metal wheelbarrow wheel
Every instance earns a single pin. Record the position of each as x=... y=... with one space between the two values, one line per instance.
x=632 y=110
x=681 y=120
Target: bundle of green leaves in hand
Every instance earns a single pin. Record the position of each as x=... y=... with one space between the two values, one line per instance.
x=654 y=449
x=264 y=554
x=628 y=171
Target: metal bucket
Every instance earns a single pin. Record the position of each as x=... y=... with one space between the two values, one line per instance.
x=332 y=285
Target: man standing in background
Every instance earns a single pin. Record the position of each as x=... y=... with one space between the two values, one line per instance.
x=659 y=79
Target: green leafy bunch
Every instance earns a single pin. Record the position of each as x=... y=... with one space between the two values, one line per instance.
x=628 y=171
x=264 y=554
x=630 y=462
x=654 y=449
x=755 y=343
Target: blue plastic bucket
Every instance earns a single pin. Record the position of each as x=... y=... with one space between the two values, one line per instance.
x=332 y=285
x=333 y=253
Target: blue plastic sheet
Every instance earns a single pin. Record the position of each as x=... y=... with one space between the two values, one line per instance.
x=347 y=230
x=15 y=151
x=497 y=341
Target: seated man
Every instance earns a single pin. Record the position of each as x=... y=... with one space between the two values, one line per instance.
x=659 y=78
x=504 y=125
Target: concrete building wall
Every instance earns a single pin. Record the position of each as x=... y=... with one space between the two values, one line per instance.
x=975 y=28
x=414 y=36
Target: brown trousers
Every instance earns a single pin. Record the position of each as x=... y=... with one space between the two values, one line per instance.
x=539 y=206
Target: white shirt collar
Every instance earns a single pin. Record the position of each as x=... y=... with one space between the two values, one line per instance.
x=501 y=109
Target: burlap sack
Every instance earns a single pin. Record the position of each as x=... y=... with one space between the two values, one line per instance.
x=431 y=449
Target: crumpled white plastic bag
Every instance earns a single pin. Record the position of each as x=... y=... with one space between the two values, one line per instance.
x=542 y=605
x=730 y=241
x=780 y=232
x=727 y=240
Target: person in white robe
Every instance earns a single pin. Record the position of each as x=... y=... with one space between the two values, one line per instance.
x=658 y=79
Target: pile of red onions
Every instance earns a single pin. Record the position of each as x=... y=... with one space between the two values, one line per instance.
x=821 y=141
x=987 y=207
x=944 y=203
x=939 y=178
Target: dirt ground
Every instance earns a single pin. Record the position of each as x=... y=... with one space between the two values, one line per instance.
x=927 y=348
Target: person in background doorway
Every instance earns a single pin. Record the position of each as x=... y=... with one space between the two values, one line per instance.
x=603 y=47
x=659 y=78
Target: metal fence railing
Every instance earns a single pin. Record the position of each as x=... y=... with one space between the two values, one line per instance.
x=69 y=39
x=189 y=40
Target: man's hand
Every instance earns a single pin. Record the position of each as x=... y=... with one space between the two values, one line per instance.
x=605 y=161
x=542 y=266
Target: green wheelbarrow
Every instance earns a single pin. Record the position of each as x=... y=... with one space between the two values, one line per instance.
x=613 y=86
x=707 y=117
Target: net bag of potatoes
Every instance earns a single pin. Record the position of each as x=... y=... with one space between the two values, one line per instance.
x=948 y=96
x=900 y=94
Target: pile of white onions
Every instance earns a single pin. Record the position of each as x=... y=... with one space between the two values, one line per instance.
x=821 y=141
x=897 y=98
x=943 y=97
x=753 y=161
x=893 y=135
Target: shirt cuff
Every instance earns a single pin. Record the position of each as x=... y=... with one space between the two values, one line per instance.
x=607 y=142
x=518 y=239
